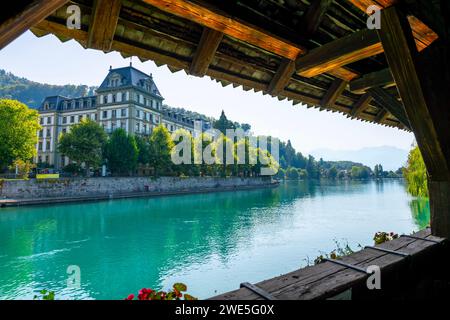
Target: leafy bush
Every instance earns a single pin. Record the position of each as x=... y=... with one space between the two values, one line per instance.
x=415 y=174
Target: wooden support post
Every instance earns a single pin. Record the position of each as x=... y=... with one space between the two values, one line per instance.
x=34 y=13
x=424 y=86
x=333 y=93
x=103 y=25
x=206 y=50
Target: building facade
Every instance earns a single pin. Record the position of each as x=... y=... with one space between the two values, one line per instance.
x=127 y=98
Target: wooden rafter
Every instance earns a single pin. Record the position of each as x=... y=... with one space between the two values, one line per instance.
x=381 y=78
x=333 y=93
x=338 y=53
x=34 y=13
x=282 y=76
x=391 y=104
x=361 y=105
x=220 y=21
x=314 y=16
x=103 y=25
x=215 y=19
x=205 y=52
x=423 y=35
x=402 y=55
x=381 y=116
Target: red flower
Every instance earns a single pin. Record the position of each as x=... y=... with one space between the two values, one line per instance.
x=130 y=297
x=144 y=294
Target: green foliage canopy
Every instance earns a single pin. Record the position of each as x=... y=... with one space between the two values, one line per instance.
x=18 y=132
x=415 y=174
x=84 y=143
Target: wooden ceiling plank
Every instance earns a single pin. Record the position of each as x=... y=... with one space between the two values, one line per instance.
x=205 y=52
x=423 y=34
x=357 y=46
x=337 y=87
x=103 y=24
x=381 y=78
x=32 y=14
x=361 y=105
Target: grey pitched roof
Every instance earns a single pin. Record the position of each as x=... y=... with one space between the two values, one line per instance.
x=130 y=76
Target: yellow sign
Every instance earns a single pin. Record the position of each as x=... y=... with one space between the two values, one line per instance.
x=47 y=176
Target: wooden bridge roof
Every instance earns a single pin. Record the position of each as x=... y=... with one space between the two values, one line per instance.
x=316 y=52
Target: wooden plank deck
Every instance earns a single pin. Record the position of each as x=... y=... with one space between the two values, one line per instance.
x=328 y=280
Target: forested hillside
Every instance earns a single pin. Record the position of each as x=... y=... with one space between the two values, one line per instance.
x=32 y=93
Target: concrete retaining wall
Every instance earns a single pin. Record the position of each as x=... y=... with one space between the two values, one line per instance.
x=79 y=187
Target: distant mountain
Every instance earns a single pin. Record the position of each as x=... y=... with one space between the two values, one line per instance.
x=33 y=93
x=391 y=158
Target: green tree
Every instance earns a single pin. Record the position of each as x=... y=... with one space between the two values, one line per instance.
x=121 y=152
x=223 y=124
x=161 y=145
x=332 y=173
x=18 y=127
x=292 y=173
x=378 y=171
x=415 y=174
x=84 y=144
x=143 y=145
x=312 y=168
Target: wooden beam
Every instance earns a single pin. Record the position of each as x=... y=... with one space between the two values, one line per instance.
x=381 y=78
x=282 y=76
x=220 y=21
x=391 y=104
x=215 y=19
x=103 y=24
x=381 y=116
x=423 y=35
x=401 y=54
x=361 y=105
x=333 y=93
x=206 y=50
x=423 y=84
x=357 y=46
x=314 y=16
x=32 y=14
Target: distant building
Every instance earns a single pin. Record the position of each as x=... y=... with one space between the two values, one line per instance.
x=127 y=98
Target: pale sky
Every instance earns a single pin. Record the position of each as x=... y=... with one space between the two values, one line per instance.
x=47 y=60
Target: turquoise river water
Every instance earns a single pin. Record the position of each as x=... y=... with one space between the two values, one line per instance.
x=212 y=242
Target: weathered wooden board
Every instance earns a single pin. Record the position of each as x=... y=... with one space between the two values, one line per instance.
x=327 y=279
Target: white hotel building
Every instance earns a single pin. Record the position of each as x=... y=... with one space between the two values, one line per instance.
x=127 y=98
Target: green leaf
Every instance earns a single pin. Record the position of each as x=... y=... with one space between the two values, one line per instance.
x=180 y=287
x=189 y=297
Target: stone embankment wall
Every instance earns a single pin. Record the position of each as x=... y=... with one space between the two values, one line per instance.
x=79 y=187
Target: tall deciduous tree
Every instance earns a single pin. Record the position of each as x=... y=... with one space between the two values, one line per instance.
x=415 y=174
x=161 y=145
x=84 y=143
x=18 y=132
x=121 y=152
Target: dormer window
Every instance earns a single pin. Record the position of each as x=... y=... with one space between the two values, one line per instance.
x=46 y=106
